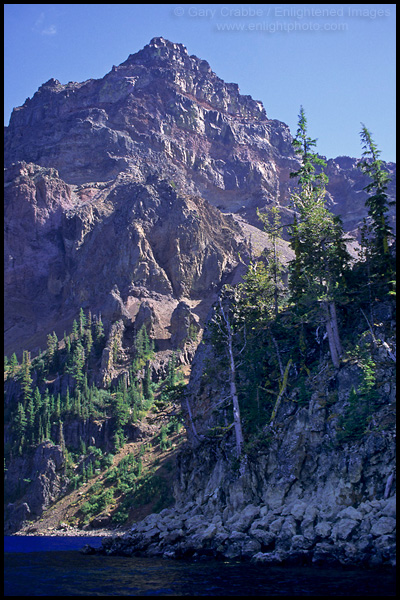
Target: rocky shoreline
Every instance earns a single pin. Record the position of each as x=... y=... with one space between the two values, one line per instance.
x=64 y=530
x=299 y=534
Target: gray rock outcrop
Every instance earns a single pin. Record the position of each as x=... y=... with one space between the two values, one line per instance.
x=42 y=475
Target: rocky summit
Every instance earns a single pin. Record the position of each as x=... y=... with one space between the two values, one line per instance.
x=131 y=200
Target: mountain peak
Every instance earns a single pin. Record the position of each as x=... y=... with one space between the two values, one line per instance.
x=158 y=42
x=159 y=50
x=164 y=61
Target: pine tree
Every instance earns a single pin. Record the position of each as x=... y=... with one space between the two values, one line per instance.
x=75 y=330
x=317 y=238
x=67 y=401
x=26 y=376
x=77 y=403
x=272 y=226
x=378 y=206
x=89 y=471
x=88 y=341
x=147 y=385
x=78 y=362
x=46 y=404
x=13 y=364
x=68 y=344
x=57 y=408
x=82 y=323
x=52 y=349
x=20 y=425
x=99 y=328
x=30 y=412
x=172 y=375
x=256 y=296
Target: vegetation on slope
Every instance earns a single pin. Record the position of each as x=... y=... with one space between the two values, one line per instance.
x=272 y=341
x=133 y=406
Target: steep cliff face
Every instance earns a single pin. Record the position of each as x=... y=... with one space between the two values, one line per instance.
x=37 y=481
x=111 y=184
x=303 y=493
x=108 y=248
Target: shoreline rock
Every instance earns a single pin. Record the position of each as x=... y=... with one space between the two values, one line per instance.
x=358 y=537
x=68 y=531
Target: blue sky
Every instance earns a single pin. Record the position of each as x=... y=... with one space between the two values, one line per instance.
x=337 y=60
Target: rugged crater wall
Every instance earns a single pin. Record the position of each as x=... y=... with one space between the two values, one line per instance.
x=108 y=248
x=88 y=221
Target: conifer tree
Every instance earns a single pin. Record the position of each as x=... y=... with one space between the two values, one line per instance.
x=82 y=322
x=77 y=403
x=378 y=206
x=75 y=330
x=52 y=349
x=321 y=258
x=272 y=226
x=46 y=403
x=20 y=425
x=57 y=408
x=147 y=387
x=13 y=364
x=67 y=401
x=30 y=412
x=88 y=341
x=78 y=363
x=172 y=375
x=99 y=334
x=38 y=399
x=89 y=471
x=26 y=376
x=67 y=344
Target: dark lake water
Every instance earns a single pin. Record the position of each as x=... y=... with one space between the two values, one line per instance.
x=53 y=566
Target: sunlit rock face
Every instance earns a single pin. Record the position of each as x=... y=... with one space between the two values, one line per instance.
x=118 y=191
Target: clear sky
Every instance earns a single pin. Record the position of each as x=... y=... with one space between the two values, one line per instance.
x=337 y=60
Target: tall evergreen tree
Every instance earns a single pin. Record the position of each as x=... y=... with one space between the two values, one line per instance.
x=52 y=349
x=75 y=330
x=30 y=412
x=26 y=376
x=13 y=364
x=272 y=226
x=317 y=239
x=378 y=206
x=78 y=363
x=20 y=425
x=82 y=322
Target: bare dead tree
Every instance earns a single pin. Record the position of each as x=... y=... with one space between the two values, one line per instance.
x=228 y=338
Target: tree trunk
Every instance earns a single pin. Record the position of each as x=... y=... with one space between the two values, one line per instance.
x=333 y=333
x=233 y=391
x=281 y=392
x=235 y=399
x=332 y=311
